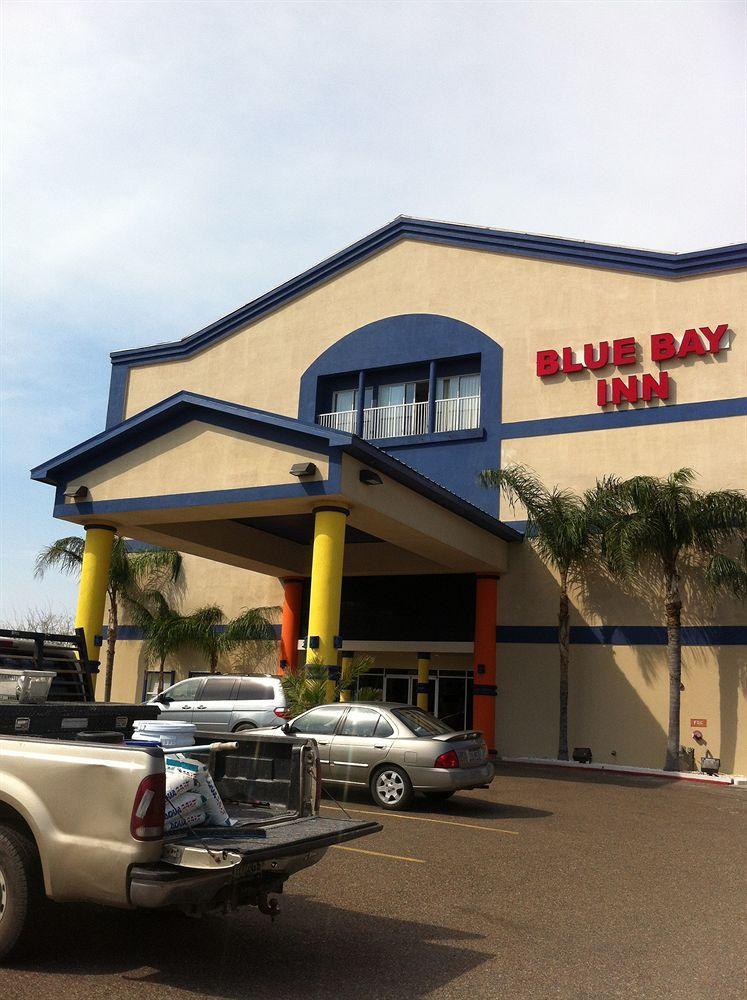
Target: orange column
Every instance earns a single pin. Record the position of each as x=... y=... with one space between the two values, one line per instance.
x=486 y=619
x=290 y=629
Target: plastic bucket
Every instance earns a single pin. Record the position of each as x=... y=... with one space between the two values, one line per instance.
x=164 y=733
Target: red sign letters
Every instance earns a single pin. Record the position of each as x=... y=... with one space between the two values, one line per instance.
x=627 y=351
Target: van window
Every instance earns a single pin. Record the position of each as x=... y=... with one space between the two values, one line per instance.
x=185 y=690
x=218 y=689
x=251 y=689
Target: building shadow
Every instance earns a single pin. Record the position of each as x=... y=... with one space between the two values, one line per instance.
x=511 y=770
x=314 y=950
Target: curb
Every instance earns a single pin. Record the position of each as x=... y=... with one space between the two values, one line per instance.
x=641 y=772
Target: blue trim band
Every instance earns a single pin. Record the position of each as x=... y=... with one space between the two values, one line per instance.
x=582 y=635
x=667 y=265
x=133 y=633
x=675 y=413
x=624 y=635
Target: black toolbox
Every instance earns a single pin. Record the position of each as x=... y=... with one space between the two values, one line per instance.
x=63 y=720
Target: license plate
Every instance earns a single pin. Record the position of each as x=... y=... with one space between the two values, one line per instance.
x=475 y=756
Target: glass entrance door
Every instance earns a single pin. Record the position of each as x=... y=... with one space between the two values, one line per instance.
x=399 y=687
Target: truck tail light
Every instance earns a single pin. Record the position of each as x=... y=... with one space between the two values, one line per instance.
x=447 y=760
x=282 y=713
x=146 y=822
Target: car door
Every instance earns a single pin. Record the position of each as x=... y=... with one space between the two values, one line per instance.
x=363 y=740
x=215 y=704
x=320 y=723
x=177 y=703
x=254 y=704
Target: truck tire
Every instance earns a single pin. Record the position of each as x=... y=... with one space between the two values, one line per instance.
x=20 y=886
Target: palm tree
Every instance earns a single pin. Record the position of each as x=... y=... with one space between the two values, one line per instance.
x=129 y=569
x=668 y=525
x=208 y=631
x=164 y=629
x=307 y=687
x=561 y=528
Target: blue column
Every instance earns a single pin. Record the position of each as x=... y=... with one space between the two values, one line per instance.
x=432 y=397
x=360 y=404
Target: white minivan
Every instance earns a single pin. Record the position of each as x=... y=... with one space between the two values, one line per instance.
x=225 y=702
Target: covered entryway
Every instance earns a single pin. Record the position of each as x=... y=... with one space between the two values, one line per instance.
x=293 y=500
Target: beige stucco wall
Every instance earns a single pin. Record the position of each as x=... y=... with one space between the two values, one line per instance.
x=197 y=457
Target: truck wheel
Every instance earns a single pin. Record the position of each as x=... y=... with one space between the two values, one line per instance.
x=20 y=886
x=391 y=788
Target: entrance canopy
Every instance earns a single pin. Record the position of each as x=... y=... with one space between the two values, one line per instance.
x=239 y=485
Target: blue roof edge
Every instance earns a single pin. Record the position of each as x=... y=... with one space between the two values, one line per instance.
x=191 y=404
x=645 y=262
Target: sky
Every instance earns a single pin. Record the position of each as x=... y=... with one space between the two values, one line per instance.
x=164 y=163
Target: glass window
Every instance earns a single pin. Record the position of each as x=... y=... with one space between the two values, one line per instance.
x=321 y=721
x=457 y=386
x=360 y=722
x=421 y=723
x=391 y=395
x=151 y=683
x=251 y=689
x=384 y=728
x=344 y=400
x=184 y=690
x=218 y=689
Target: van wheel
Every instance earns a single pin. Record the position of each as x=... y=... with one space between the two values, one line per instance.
x=245 y=727
x=21 y=890
x=391 y=788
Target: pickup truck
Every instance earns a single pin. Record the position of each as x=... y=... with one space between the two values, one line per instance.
x=82 y=819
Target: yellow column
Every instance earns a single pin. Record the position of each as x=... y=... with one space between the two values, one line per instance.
x=326 y=589
x=347 y=667
x=424 y=665
x=94 y=580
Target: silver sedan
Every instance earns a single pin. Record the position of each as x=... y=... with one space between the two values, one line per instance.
x=395 y=750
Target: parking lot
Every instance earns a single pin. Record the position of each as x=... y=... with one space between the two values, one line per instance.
x=547 y=885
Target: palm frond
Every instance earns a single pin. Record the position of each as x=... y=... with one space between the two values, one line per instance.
x=65 y=555
x=726 y=573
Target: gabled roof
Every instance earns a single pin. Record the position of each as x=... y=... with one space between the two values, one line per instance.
x=552 y=248
x=186 y=406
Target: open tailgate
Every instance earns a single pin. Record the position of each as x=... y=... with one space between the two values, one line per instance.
x=217 y=847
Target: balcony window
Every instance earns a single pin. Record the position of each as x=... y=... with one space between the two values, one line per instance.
x=457 y=403
x=401 y=409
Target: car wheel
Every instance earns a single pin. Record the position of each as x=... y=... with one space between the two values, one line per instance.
x=245 y=727
x=20 y=887
x=438 y=796
x=391 y=788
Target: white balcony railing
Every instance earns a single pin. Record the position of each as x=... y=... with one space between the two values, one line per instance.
x=400 y=420
x=406 y=419
x=342 y=420
x=458 y=414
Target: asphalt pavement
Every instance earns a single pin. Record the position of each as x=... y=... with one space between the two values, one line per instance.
x=547 y=885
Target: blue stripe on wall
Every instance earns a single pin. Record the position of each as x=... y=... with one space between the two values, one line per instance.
x=133 y=632
x=581 y=635
x=678 y=413
x=624 y=635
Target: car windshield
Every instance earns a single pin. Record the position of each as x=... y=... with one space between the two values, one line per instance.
x=421 y=723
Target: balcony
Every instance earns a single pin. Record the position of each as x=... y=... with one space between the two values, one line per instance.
x=407 y=419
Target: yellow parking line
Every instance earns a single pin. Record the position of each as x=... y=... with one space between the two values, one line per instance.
x=426 y=819
x=378 y=854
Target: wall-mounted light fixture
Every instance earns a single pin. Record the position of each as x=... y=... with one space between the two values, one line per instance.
x=77 y=493
x=303 y=469
x=369 y=478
